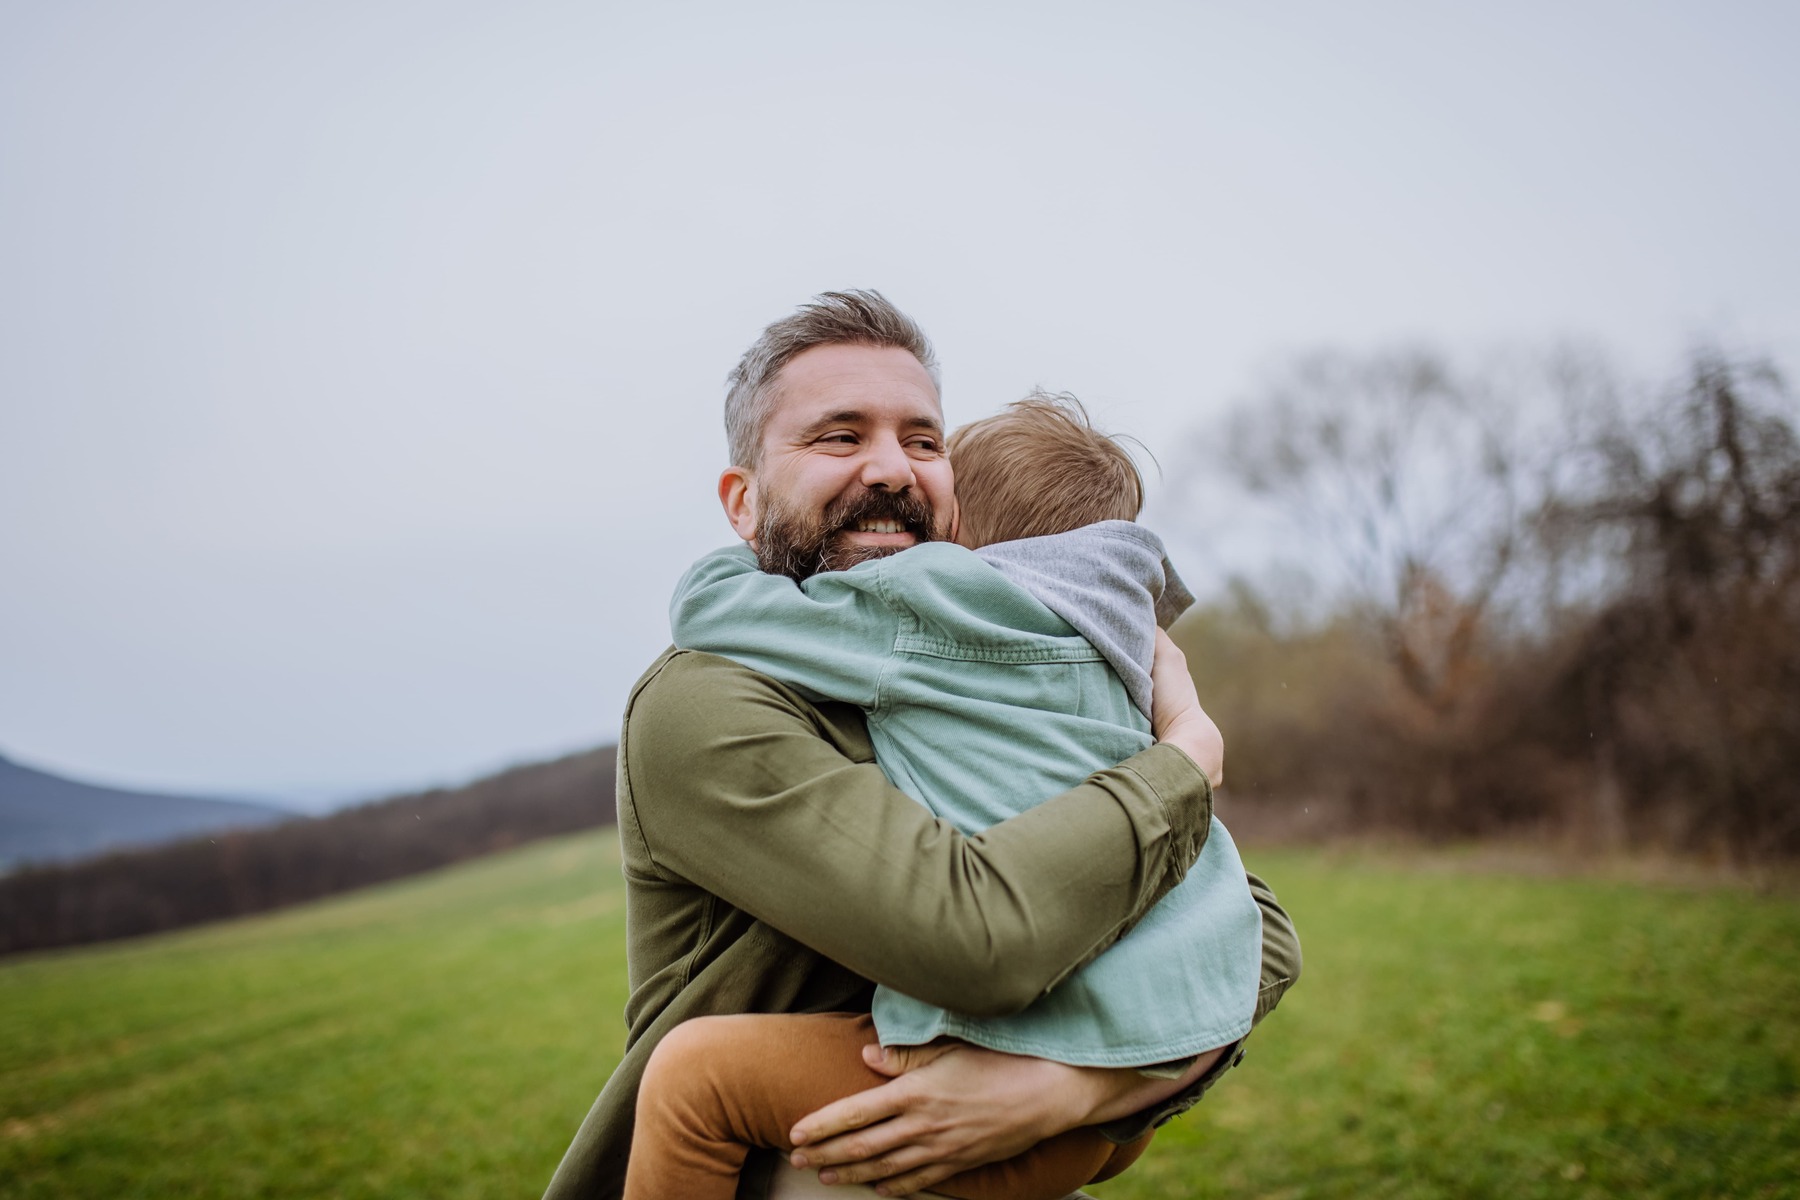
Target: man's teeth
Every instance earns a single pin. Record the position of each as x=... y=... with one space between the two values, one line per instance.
x=880 y=527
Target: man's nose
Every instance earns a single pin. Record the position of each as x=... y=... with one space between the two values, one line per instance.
x=886 y=467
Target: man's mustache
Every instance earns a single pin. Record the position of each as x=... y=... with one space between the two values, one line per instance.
x=909 y=510
x=798 y=547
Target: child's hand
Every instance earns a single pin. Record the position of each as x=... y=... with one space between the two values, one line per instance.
x=1175 y=713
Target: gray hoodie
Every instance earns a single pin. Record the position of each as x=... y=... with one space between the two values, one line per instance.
x=1112 y=581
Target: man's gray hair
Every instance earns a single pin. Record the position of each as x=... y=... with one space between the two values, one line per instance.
x=862 y=318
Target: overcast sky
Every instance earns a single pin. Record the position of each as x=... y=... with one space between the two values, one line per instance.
x=360 y=363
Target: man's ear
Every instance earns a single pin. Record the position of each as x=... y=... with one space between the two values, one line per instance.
x=737 y=496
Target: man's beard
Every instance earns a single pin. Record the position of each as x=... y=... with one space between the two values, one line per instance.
x=792 y=544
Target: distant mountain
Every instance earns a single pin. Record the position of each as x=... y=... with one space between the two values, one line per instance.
x=211 y=878
x=47 y=818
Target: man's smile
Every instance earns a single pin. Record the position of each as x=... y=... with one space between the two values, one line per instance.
x=879 y=532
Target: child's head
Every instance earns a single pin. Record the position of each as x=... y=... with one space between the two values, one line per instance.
x=1039 y=468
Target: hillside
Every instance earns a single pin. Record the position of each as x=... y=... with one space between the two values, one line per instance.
x=49 y=818
x=208 y=878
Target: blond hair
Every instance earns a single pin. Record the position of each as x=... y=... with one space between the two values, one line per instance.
x=1037 y=468
x=865 y=318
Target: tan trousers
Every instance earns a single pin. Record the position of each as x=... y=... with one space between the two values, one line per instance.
x=804 y=1185
x=718 y=1085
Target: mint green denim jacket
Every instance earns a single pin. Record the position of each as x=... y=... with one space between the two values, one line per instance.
x=982 y=702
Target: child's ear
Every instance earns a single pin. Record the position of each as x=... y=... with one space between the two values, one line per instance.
x=956 y=530
x=737 y=496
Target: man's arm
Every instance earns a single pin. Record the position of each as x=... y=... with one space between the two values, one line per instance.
x=739 y=788
x=959 y=1106
x=963 y=1106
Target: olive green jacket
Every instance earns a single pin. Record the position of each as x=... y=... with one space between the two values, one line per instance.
x=771 y=867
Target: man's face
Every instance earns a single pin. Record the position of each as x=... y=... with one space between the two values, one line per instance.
x=853 y=464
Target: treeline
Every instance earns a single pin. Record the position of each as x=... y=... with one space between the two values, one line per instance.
x=234 y=874
x=1533 y=602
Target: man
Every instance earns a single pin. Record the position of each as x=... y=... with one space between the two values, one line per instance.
x=772 y=868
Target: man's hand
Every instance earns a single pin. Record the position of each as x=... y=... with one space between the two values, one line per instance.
x=951 y=1107
x=1175 y=713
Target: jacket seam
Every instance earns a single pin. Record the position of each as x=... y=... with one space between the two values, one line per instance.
x=624 y=756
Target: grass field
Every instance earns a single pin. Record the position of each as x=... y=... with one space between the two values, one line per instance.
x=1457 y=1034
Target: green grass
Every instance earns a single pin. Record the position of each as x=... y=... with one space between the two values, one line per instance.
x=1463 y=1034
x=438 y=1037
x=1456 y=1034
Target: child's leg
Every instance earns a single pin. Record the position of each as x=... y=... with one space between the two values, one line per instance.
x=1049 y=1170
x=1068 y=1160
x=718 y=1085
x=1122 y=1157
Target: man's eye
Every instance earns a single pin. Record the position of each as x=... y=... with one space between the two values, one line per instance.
x=842 y=439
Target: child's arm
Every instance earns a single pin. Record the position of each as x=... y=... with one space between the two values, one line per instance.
x=830 y=637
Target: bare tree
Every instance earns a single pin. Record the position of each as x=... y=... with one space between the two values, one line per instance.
x=1404 y=480
x=1689 y=671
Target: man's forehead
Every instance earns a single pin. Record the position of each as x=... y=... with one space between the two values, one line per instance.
x=855 y=384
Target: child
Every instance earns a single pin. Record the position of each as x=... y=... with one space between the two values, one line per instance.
x=994 y=673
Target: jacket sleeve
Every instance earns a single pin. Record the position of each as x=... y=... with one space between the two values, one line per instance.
x=1280 y=971
x=830 y=637
x=736 y=786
